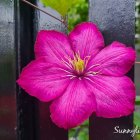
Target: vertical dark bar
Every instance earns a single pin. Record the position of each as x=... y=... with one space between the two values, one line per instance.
x=47 y=129
x=116 y=20
x=26 y=105
x=7 y=72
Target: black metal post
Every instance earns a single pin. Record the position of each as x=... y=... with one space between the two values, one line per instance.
x=116 y=20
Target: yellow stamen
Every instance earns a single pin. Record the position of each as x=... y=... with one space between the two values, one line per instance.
x=78 y=64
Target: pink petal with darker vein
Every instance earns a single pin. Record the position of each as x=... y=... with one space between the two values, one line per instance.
x=86 y=39
x=115 y=60
x=54 y=45
x=74 y=106
x=43 y=80
x=115 y=96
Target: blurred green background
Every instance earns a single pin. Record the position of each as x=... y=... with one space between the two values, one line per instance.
x=79 y=13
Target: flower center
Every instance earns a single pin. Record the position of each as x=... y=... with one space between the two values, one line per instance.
x=77 y=67
x=78 y=64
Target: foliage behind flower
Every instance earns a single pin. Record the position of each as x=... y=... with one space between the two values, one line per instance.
x=77 y=14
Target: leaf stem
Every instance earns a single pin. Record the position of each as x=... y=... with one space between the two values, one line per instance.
x=34 y=6
x=137 y=62
x=137 y=102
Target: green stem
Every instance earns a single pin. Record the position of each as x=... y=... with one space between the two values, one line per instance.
x=137 y=102
x=34 y=6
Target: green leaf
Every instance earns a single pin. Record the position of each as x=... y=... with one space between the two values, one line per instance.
x=137 y=102
x=62 y=6
x=85 y=124
x=83 y=135
x=137 y=118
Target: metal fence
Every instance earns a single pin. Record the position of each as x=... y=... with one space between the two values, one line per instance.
x=23 y=117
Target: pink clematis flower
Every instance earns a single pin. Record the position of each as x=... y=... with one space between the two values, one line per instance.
x=80 y=75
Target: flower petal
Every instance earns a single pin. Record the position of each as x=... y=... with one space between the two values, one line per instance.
x=54 y=45
x=86 y=39
x=43 y=80
x=115 y=60
x=115 y=96
x=74 y=106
